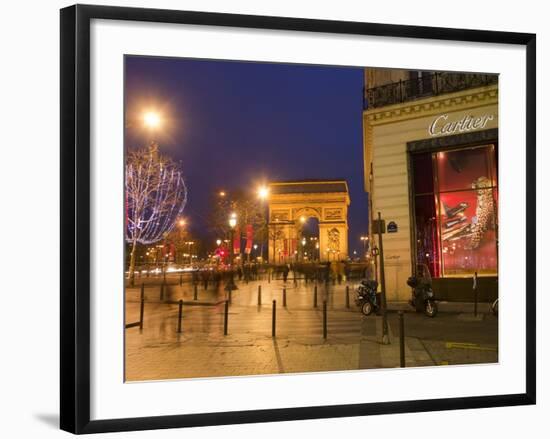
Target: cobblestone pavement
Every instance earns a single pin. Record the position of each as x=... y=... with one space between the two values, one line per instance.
x=353 y=341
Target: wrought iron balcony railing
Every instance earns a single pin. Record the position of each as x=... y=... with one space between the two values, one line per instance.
x=427 y=85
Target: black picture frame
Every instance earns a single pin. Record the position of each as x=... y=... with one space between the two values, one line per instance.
x=75 y=217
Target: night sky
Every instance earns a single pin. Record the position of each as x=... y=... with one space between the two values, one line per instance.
x=240 y=124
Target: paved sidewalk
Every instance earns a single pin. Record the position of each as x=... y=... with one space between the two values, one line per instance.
x=353 y=342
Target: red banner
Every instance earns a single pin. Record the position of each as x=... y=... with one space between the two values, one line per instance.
x=237 y=241
x=249 y=238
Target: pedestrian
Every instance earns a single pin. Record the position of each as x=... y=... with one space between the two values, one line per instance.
x=285 y=272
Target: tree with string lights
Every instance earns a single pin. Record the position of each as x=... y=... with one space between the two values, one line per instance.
x=156 y=195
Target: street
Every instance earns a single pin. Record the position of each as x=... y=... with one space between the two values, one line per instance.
x=158 y=351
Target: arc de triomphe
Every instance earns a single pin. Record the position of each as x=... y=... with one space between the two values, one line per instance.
x=291 y=201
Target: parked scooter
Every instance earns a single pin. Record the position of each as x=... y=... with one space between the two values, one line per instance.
x=423 y=295
x=366 y=298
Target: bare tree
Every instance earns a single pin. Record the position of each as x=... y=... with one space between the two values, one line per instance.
x=155 y=195
x=249 y=209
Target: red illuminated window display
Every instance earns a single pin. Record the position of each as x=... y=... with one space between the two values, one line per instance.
x=456 y=216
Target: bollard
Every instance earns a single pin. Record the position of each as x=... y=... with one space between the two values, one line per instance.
x=164 y=276
x=268 y=277
x=181 y=280
x=259 y=295
x=161 y=292
x=141 y=309
x=475 y=294
x=225 y=317
x=401 y=340
x=325 y=319
x=347 y=296
x=315 y=296
x=180 y=315
x=284 y=297
x=205 y=284
x=273 y=318
x=195 y=292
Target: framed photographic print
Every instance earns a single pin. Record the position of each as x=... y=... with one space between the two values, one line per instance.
x=268 y=218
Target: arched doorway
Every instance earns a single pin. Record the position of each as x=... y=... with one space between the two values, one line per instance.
x=309 y=248
x=297 y=207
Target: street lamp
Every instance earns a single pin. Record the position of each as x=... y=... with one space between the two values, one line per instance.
x=152 y=119
x=365 y=240
x=263 y=192
x=233 y=220
x=232 y=224
x=218 y=242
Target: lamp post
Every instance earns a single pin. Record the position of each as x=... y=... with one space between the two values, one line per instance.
x=182 y=223
x=232 y=224
x=263 y=194
x=365 y=240
x=190 y=243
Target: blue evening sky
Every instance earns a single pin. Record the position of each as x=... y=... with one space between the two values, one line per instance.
x=237 y=124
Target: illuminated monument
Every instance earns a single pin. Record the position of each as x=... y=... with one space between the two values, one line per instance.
x=291 y=203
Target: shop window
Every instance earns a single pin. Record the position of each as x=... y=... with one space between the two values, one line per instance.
x=455 y=209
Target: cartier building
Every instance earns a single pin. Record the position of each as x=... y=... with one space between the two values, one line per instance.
x=431 y=170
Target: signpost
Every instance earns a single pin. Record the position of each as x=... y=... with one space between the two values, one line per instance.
x=379 y=227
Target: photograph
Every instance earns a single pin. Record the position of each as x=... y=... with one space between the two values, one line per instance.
x=296 y=218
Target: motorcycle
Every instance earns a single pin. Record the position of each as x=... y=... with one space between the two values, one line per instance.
x=423 y=298
x=366 y=298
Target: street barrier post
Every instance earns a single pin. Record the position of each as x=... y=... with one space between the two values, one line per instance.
x=273 y=318
x=475 y=294
x=325 y=319
x=141 y=309
x=315 y=296
x=225 y=317
x=180 y=315
x=401 y=340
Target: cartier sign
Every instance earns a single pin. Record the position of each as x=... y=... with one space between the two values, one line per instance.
x=445 y=124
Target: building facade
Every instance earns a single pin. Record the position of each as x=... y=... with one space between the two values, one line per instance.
x=431 y=170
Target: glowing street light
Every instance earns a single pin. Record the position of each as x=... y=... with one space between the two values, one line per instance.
x=182 y=222
x=218 y=242
x=151 y=119
x=233 y=220
x=365 y=240
x=263 y=192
